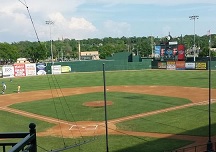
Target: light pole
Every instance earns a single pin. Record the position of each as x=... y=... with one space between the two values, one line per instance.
x=209 y=144
x=51 y=51
x=194 y=17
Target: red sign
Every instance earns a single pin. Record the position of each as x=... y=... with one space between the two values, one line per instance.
x=181 y=52
x=19 y=70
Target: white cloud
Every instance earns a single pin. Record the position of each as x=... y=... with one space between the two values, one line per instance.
x=81 y=24
x=72 y=28
x=81 y=19
x=15 y=20
x=117 y=29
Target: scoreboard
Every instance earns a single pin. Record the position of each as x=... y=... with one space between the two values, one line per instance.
x=171 y=51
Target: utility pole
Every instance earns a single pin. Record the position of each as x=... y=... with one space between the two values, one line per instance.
x=51 y=51
x=194 y=17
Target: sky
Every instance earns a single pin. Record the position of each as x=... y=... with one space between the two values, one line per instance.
x=83 y=19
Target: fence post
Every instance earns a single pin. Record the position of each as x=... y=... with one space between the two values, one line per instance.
x=32 y=131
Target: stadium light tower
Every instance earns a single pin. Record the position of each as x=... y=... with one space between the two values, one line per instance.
x=194 y=17
x=209 y=143
x=51 y=51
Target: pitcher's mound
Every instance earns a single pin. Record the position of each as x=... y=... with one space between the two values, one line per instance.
x=97 y=103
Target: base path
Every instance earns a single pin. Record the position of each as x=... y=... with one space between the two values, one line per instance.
x=75 y=129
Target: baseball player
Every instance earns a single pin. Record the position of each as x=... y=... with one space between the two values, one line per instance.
x=3 y=87
x=18 y=88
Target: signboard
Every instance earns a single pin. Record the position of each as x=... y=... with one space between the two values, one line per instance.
x=19 y=70
x=181 y=52
x=8 y=71
x=201 y=65
x=162 y=65
x=180 y=65
x=171 y=65
x=41 y=69
x=1 y=72
x=157 y=52
x=30 y=69
x=56 y=69
x=168 y=52
x=189 y=66
x=65 y=69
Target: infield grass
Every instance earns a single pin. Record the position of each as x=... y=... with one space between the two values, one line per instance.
x=124 y=104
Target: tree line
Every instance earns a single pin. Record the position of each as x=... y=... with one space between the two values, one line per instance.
x=67 y=49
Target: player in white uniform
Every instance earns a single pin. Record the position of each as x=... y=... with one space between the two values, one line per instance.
x=3 y=87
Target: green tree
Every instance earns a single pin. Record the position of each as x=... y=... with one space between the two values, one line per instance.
x=8 y=53
x=36 y=52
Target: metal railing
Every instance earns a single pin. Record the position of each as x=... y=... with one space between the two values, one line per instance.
x=27 y=144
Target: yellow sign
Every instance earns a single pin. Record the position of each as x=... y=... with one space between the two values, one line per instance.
x=201 y=65
x=65 y=69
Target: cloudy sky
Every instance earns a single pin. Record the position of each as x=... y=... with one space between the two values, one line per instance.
x=82 y=19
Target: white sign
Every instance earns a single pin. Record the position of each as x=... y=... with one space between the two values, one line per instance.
x=30 y=69
x=8 y=71
x=189 y=65
x=56 y=69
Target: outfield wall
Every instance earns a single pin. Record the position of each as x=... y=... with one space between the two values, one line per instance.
x=31 y=69
x=97 y=65
x=183 y=65
x=21 y=69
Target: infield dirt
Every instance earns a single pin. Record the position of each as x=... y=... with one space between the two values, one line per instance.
x=91 y=128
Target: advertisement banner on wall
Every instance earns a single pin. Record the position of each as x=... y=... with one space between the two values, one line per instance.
x=171 y=65
x=19 y=70
x=190 y=66
x=30 y=69
x=170 y=52
x=162 y=65
x=157 y=52
x=201 y=65
x=8 y=71
x=1 y=72
x=56 y=69
x=180 y=65
x=41 y=69
x=65 y=69
x=181 y=52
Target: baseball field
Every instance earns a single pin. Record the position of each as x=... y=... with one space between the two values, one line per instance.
x=147 y=110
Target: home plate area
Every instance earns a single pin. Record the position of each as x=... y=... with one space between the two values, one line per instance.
x=83 y=127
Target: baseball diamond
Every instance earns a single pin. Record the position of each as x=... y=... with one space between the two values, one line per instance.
x=90 y=128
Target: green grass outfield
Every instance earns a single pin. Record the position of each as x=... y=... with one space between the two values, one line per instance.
x=143 y=77
x=116 y=144
x=187 y=121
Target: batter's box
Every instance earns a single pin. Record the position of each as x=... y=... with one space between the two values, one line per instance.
x=82 y=127
x=91 y=127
